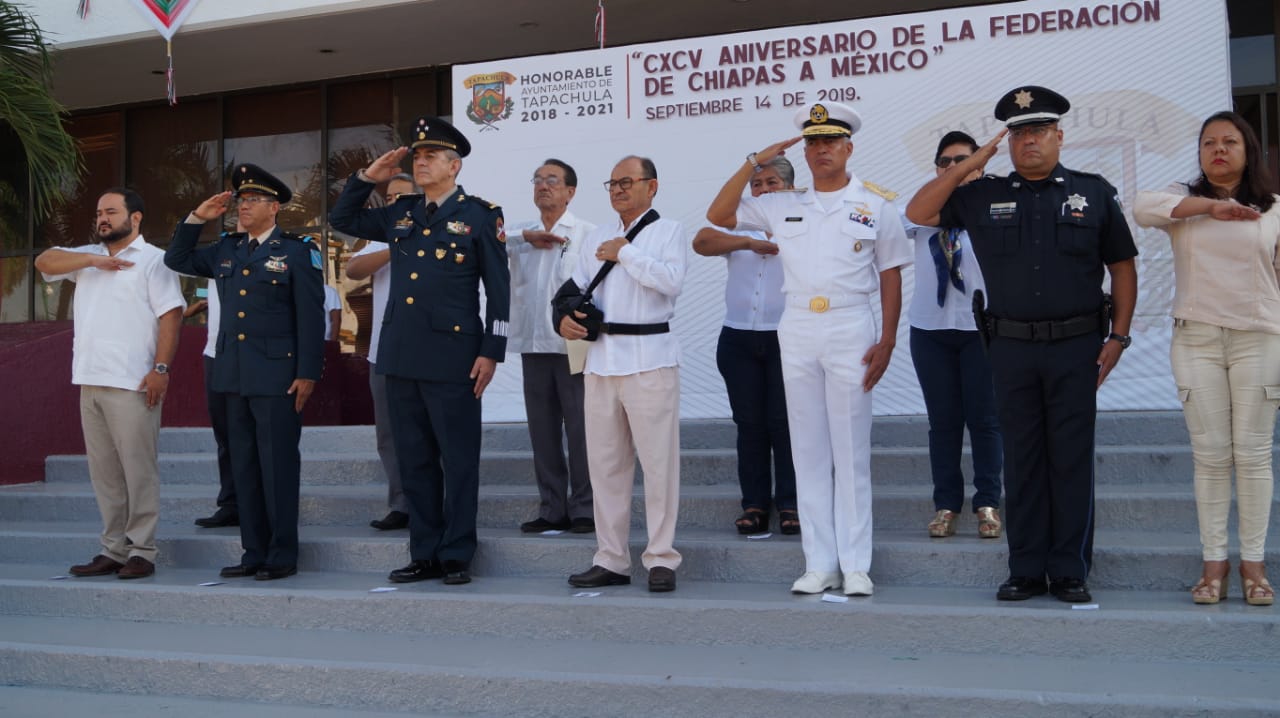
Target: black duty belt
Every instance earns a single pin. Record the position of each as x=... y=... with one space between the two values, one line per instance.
x=634 y=329
x=1045 y=331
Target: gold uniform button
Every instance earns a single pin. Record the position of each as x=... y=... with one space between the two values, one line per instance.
x=422 y=252
x=413 y=275
x=819 y=304
x=240 y=314
x=289 y=354
x=243 y=292
x=274 y=282
x=240 y=337
x=245 y=272
x=425 y=233
x=457 y=328
x=408 y=300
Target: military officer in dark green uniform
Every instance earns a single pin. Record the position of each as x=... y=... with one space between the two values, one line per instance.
x=437 y=353
x=270 y=353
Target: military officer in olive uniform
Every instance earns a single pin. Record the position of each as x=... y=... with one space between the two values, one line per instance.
x=1042 y=236
x=270 y=353
x=436 y=352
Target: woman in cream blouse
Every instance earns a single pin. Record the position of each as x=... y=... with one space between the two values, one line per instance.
x=1225 y=353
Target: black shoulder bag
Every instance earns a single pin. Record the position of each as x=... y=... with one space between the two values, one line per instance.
x=570 y=298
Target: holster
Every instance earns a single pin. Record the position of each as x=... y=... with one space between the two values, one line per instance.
x=1104 y=316
x=981 y=318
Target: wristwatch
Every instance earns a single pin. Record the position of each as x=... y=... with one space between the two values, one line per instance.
x=755 y=166
x=1124 y=340
x=161 y=368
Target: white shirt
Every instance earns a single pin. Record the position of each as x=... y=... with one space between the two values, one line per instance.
x=116 y=315
x=956 y=311
x=536 y=274
x=331 y=302
x=213 y=316
x=753 y=298
x=381 y=290
x=832 y=252
x=642 y=289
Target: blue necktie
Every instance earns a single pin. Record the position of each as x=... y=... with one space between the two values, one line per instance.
x=945 y=248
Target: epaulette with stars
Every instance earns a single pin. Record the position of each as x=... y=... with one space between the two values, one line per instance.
x=877 y=189
x=491 y=205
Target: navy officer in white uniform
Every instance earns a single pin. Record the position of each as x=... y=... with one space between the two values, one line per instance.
x=840 y=241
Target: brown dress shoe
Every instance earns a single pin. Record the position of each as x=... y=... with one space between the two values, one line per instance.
x=99 y=566
x=136 y=567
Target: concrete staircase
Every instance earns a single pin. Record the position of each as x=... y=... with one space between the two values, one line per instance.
x=730 y=641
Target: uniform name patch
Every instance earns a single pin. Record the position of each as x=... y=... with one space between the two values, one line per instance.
x=1001 y=209
x=794 y=219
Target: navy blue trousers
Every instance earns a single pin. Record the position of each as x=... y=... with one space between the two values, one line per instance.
x=955 y=379
x=263 y=434
x=217 y=403
x=751 y=365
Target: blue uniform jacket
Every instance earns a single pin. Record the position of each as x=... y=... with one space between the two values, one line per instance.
x=272 y=326
x=432 y=330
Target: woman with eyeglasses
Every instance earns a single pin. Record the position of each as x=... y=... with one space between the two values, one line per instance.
x=951 y=364
x=1225 y=230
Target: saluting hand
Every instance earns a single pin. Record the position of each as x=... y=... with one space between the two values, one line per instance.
x=214 y=207
x=984 y=154
x=761 y=246
x=775 y=150
x=1228 y=211
x=608 y=251
x=110 y=264
x=301 y=390
x=386 y=166
x=543 y=240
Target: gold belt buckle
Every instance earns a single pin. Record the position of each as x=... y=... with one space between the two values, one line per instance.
x=819 y=305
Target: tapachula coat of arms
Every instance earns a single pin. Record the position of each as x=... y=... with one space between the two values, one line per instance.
x=489 y=101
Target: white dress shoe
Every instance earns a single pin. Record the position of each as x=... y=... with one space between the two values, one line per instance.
x=858 y=584
x=815 y=582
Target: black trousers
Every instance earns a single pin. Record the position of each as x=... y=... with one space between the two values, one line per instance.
x=217 y=403
x=436 y=427
x=263 y=434
x=751 y=364
x=1047 y=397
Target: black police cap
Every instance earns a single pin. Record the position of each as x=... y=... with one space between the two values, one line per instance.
x=1030 y=105
x=430 y=131
x=252 y=178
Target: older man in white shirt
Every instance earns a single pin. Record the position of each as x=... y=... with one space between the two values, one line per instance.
x=632 y=378
x=543 y=255
x=128 y=311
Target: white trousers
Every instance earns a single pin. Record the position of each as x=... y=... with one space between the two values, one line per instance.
x=1229 y=384
x=830 y=418
x=637 y=414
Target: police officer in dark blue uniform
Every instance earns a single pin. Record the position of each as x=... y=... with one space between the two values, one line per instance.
x=270 y=353
x=437 y=354
x=1042 y=236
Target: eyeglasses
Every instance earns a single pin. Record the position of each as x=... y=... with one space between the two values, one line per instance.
x=944 y=162
x=254 y=199
x=625 y=183
x=1036 y=131
x=551 y=182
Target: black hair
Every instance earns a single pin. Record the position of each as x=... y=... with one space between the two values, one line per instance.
x=132 y=200
x=570 y=177
x=954 y=137
x=1256 y=188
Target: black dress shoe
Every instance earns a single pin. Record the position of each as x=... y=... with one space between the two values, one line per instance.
x=582 y=525
x=224 y=516
x=1070 y=590
x=539 y=525
x=661 y=579
x=598 y=576
x=391 y=522
x=1020 y=588
x=417 y=571
x=239 y=571
x=456 y=573
x=271 y=573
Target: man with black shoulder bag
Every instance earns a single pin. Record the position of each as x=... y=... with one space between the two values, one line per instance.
x=632 y=378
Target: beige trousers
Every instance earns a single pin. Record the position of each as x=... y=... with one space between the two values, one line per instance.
x=120 y=437
x=626 y=416
x=1229 y=385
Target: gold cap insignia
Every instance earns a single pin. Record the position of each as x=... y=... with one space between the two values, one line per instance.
x=818 y=114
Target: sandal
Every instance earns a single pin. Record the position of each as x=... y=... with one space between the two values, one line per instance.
x=989 y=525
x=789 y=522
x=1209 y=590
x=1257 y=591
x=753 y=521
x=943 y=524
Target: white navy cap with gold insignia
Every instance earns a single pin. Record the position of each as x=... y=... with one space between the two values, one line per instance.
x=1031 y=105
x=827 y=118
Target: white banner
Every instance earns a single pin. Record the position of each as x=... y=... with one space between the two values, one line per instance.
x=1141 y=77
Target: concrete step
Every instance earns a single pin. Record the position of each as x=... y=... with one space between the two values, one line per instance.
x=1137 y=560
x=1126 y=464
x=1125 y=624
x=1148 y=507
x=1113 y=428
x=60 y=703
x=584 y=676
